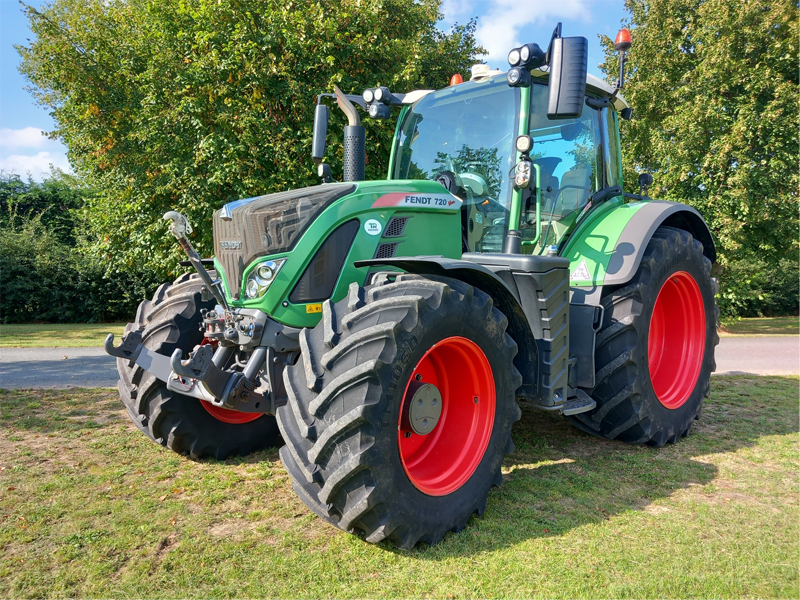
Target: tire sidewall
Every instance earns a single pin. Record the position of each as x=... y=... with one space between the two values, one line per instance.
x=165 y=410
x=447 y=510
x=691 y=262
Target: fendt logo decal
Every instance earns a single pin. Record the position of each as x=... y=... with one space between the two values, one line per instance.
x=435 y=201
x=231 y=245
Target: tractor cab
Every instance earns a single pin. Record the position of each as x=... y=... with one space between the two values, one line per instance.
x=464 y=137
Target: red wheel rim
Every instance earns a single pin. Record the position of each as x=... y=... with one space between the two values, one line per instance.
x=442 y=461
x=233 y=417
x=677 y=339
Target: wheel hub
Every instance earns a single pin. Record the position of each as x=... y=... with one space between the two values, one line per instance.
x=423 y=407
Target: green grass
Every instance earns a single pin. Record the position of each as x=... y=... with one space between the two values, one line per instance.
x=72 y=335
x=762 y=326
x=90 y=508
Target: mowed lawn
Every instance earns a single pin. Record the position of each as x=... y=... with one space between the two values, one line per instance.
x=62 y=335
x=90 y=508
x=761 y=326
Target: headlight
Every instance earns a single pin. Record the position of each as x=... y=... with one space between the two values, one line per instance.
x=524 y=143
x=518 y=77
x=262 y=277
x=522 y=177
x=513 y=57
x=379 y=94
x=524 y=53
x=367 y=96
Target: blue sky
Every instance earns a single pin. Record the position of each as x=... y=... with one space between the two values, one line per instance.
x=502 y=25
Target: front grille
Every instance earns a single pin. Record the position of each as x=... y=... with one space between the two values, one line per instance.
x=247 y=229
x=322 y=273
x=386 y=250
x=395 y=227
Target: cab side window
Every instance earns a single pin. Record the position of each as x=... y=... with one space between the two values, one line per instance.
x=568 y=154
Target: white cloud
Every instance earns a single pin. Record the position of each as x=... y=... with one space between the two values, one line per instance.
x=28 y=150
x=501 y=21
x=27 y=137
x=38 y=165
x=457 y=10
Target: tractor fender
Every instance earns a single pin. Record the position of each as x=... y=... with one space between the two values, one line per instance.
x=503 y=293
x=620 y=265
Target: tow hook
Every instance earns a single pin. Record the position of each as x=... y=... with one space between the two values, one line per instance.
x=234 y=391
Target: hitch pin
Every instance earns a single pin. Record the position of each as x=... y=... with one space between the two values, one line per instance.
x=180 y=228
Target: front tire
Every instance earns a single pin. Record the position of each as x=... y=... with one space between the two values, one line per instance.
x=654 y=352
x=184 y=424
x=351 y=458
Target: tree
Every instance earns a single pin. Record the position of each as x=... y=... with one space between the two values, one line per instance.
x=53 y=201
x=714 y=90
x=182 y=105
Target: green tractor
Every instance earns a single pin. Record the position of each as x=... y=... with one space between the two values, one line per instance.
x=388 y=331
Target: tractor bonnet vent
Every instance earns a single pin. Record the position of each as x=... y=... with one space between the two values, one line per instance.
x=247 y=229
x=386 y=250
x=319 y=279
x=395 y=227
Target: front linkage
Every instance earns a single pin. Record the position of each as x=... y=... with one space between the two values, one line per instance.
x=257 y=387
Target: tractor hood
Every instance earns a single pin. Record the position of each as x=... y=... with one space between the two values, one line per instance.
x=247 y=229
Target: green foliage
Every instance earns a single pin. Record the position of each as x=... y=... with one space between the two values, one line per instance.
x=714 y=89
x=44 y=273
x=755 y=288
x=52 y=201
x=189 y=105
x=43 y=279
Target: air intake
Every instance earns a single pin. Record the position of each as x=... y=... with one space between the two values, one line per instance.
x=386 y=250
x=396 y=227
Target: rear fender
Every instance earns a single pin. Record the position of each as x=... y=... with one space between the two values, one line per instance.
x=502 y=293
x=608 y=249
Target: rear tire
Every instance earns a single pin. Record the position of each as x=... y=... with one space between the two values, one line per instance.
x=182 y=423
x=654 y=352
x=346 y=447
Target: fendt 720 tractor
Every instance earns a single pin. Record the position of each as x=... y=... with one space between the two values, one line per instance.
x=388 y=331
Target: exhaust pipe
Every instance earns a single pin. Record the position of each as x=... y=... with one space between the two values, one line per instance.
x=355 y=136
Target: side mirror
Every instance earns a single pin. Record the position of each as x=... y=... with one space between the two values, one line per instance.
x=568 y=61
x=645 y=181
x=321 y=114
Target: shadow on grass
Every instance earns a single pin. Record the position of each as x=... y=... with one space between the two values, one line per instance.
x=558 y=479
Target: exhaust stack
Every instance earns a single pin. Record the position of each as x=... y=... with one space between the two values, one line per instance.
x=355 y=135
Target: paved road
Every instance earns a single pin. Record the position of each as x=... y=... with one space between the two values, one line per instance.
x=92 y=367
x=779 y=355
x=56 y=368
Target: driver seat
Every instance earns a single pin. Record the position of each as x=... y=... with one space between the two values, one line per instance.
x=576 y=195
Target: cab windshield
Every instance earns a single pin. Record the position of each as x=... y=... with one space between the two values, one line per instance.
x=469 y=131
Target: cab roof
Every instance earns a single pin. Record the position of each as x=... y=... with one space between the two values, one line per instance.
x=593 y=83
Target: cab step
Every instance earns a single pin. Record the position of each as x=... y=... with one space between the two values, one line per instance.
x=580 y=403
